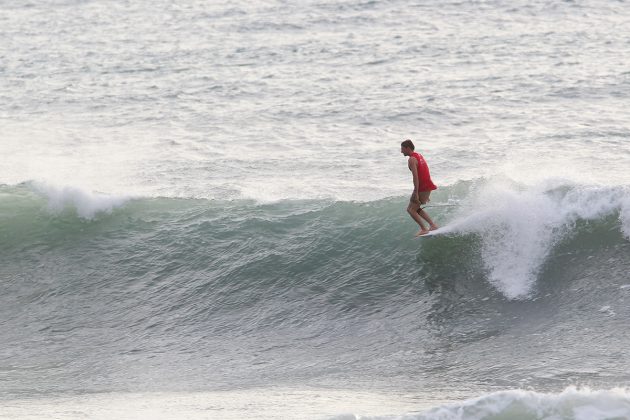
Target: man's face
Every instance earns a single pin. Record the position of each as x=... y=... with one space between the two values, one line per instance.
x=405 y=151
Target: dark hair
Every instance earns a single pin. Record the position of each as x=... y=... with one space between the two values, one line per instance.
x=409 y=144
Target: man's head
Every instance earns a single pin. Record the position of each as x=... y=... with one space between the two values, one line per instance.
x=407 y=147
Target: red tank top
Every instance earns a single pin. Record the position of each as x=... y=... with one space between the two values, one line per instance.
x=424 y=177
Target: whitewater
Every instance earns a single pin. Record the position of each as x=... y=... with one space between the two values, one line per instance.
x=202 y=210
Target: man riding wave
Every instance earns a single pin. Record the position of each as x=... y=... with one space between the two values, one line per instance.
x=422 y=187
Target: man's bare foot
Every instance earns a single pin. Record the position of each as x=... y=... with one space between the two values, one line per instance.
x=434 y=227
x=422 y=232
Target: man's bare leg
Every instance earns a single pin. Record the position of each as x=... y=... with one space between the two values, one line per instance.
x=425 y=216
x=413 y=209
x=424 y=199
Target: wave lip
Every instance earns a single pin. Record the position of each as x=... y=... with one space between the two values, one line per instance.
x=87 y=204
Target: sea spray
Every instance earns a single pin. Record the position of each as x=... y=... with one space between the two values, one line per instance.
x=87 y=204
x=518 y=225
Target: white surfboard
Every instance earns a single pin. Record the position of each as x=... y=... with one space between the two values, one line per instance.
x=437 y=232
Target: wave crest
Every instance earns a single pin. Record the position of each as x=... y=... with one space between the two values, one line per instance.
x=519 y=225
x=87 y=204
x=573 y=403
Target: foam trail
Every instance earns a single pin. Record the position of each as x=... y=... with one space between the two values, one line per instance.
x=519 y=225
x=87 y=204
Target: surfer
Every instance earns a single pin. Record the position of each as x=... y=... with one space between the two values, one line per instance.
x=422 y=187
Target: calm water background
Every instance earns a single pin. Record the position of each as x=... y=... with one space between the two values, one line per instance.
x=283 y=100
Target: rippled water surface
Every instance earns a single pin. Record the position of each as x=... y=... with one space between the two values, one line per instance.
x=277 y=100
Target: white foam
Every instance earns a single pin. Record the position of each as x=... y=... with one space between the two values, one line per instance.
x=572 y=403
x=518 y=225
x=87 y=204
x=607 y=310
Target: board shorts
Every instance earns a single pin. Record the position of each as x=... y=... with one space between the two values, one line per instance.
x=424 y=197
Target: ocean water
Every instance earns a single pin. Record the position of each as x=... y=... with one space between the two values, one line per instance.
x=202 y=210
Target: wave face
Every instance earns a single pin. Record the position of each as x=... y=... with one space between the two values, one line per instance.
x=165 y=293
